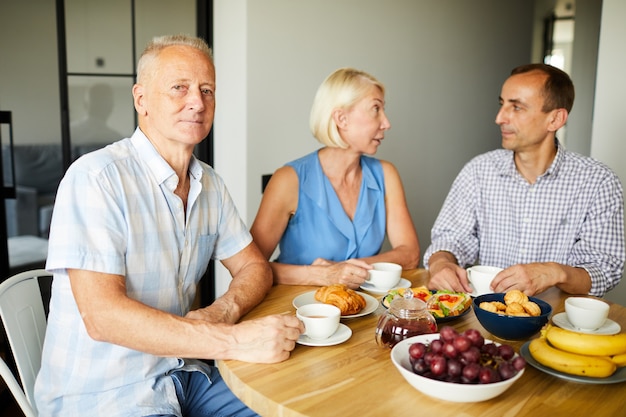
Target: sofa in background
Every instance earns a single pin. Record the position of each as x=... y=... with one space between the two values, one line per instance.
x=38 y=171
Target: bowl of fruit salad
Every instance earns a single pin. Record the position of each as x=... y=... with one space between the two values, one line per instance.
x=457 y=367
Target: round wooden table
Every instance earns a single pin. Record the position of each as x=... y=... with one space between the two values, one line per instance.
x=357 y=377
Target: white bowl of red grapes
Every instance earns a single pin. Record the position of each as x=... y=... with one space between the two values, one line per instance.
x=458 y=367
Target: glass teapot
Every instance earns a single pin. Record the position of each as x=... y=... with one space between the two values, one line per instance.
x=407 y=316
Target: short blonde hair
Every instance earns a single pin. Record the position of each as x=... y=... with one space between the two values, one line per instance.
x=340 y=90
x=157 y=44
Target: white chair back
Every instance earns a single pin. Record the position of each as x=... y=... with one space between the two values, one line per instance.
x=23 y=315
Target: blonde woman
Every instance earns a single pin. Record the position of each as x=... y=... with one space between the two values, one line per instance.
x=330 y=211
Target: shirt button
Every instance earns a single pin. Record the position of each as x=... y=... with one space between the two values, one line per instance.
x=523 y=251
x=526 y=220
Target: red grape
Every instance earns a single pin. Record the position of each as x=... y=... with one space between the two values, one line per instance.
x=420 y=367
x=449 y=350
x=428 y=357
x=506 y=352
x=438 y=365
x=454 y=368
x=470 y=371
x=518 y=363
x=486 y=375
x=462 y=343
x=472 y=355
x=506 y=370
x=436 y=345
x=448 y=333
x=490 y=349
x=417 y=350
x=475 y=337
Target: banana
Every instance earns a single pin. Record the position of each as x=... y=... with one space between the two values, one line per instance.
x=585 y=344
x=570 y=363
x=620 y=360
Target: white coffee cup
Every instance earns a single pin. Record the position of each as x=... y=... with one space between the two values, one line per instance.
x=586 y=313
x=320 y=320
x=384 y=275
x=480 y=276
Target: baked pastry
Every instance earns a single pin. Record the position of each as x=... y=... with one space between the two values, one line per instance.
x=499 y=306
x=515 y=296
x=485 y=305
x=347 y=300
x=516 y=303
x=514 y=309
x=532 y=308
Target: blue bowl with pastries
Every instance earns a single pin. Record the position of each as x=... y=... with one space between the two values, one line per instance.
x=511 y=315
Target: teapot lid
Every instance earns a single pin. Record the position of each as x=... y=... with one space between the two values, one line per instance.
x=407 y=302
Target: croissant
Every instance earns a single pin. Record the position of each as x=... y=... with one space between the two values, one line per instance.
x=346 y=299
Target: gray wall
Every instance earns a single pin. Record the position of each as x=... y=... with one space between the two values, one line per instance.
x=584 y=60
x=29 y=80
x=608 y=142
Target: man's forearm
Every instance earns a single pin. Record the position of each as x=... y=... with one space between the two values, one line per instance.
x=438 y=259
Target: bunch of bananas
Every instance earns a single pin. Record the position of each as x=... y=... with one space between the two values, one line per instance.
x=596 y=356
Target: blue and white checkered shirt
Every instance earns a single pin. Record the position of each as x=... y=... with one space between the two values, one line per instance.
x=116 y=212
x=572 y=215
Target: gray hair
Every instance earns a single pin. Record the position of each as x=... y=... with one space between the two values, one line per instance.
x=157 y=44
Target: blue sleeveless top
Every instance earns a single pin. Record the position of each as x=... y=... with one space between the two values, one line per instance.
x=320 y=228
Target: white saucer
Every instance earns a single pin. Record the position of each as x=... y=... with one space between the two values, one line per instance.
x=404 y=283
x=609 y=326
x=342 y=334
x=476 y=293
x=371 y=304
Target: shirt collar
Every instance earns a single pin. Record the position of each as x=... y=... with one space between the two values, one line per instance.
x=506 y=164
x=559 y=159
x=155 y=162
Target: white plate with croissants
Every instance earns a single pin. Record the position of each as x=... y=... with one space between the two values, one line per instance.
x=351 y=303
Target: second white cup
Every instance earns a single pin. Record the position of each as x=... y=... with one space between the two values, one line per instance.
x=320 y=320
x=384 y=275
x=586 y=313
x=480 y=276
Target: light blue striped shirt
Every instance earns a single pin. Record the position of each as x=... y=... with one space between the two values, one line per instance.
x=116 y=212
x=572 y=215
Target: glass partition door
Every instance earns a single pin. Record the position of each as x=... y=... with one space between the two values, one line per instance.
x=103 y=40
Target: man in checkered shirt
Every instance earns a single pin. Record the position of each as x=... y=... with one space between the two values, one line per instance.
x=548 y=216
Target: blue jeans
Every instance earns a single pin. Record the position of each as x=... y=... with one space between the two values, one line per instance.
x=199 y=397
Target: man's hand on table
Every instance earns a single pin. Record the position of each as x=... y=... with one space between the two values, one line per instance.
x=267 y=339
x=446 y=274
